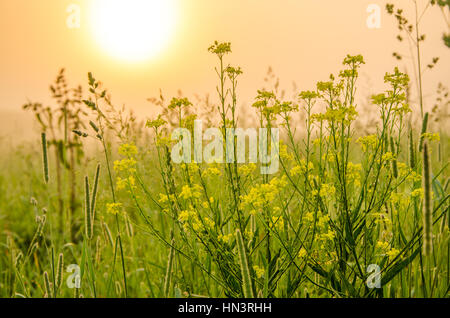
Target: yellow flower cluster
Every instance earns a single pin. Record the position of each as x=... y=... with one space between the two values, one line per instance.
x=302 y=253
x=212 y=171
x=277 y=223
x=354 y=174
x=301 y=168
x=431 y=136
x=128 y=150
x=193 y=192
x=417 y=193
x=388 y=156
x=262 y=195
x=406 y=172
x=284 y=153
x=247 y=169
x=259 y=272
x=386 y=250
x=368 y=142
x=125 y=165
x=114 y=208
x=327 y=190
x=225 y=238
x=126 y=183
x=192 y=217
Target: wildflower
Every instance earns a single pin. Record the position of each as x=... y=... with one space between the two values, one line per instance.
x=383 y=246
x=128 y=150
x=125 y=165
x=353 y=173
x=191 y=192
x=233 y=71
x=210 y=223
x=259 y=272
x=225 y=238
x=330 y=235
x=327 y=190
x=197 y=226
x=417 y=193
x=302 y=253
x=431 y=136
x=156 y=123
x=163 y=198
x=247 y=169
x=179 y=103
x=301 y=168
x=220 y=49
x=114 y=208
x=278 y=223
x=392 y=253
x=212 y=172
x=388 y=156
x=368 y=142
x=308 y=95
x=397 y=79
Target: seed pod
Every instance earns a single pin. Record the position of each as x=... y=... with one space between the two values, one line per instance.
x=87 y=214
x=94 y=193
x=41 y=225
x=394 y=160
x=412 y=159
x=94 y=126
x=98 y=250
x=80 y=133
x=245 y=272
x=59 y=271
x=424 y=130
x=44 y=156
x=107 y=233
x=168 y=278
x=48 y=290
x=129 y=226
x=427 y=204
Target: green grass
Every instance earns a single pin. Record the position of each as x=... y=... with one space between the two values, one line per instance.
x=139 y=225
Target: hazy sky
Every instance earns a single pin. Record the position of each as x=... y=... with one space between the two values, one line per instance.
x=303 y=40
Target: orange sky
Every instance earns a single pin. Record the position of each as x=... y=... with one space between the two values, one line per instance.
x=303 y=40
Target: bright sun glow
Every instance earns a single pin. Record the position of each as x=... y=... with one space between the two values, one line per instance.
x=133 y=30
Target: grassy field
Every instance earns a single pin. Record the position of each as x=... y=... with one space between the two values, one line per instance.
x=96 y=207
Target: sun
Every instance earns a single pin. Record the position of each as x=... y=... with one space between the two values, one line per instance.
x=133 y=30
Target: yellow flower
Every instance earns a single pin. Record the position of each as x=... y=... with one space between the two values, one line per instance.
x=383 y=246
x=278 y=223
x=353 y=174
x=284 y=153
x=327 y=190
x=247 y=169
x=114 y=208
x=212 y=172
x=258 y=271
x=330 y=235
x=210 y=223
x=225 y=238
x=184 y=216
x=388 y=156
x=163 y=198
x=431 y=136
x=417 y=193
x=128 y=150
x=188 y=192
x=368 y=142
x=392 y=253
x=302 y=253
x=125 y=165
x=323 y=221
